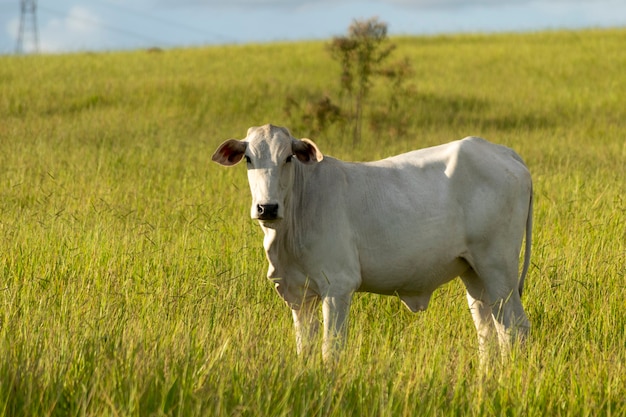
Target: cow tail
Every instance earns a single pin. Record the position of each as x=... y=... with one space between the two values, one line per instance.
x=528 y=239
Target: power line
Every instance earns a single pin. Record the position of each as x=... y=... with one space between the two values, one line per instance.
x=128 y=33
x=168 y=22
x=102 y=25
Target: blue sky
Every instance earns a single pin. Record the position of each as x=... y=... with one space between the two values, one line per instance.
x=96 y=25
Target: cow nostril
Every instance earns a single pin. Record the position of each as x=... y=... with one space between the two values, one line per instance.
x=267 y=211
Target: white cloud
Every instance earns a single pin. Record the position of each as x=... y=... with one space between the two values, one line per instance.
x=78 y=29
x=81 y=21
x=247 y=5
x=12 y=27
x=438 y=4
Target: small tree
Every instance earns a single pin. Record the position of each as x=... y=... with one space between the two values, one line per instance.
x=361 y=54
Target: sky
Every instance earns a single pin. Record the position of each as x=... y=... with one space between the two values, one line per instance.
x=106 y=25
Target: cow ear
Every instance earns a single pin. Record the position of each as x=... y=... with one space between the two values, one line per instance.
x=230 y=152
x=306 y=151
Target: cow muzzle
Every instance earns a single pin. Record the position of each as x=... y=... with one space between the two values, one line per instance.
x=267 y=211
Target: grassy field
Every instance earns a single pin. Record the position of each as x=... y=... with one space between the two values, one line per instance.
x=132 y=281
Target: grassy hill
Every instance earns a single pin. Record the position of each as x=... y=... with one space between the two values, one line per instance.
x=132 y=281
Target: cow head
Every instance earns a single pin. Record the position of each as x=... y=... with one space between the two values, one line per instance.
x=269 y=153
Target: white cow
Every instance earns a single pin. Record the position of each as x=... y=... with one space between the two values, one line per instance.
x=401 y=226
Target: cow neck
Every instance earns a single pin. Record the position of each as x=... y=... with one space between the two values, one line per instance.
x=285 y=237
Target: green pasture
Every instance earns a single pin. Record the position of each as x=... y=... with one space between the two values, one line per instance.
x=132 y=281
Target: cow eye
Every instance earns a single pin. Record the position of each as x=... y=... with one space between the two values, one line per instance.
x=289 y=158
x=248 y=160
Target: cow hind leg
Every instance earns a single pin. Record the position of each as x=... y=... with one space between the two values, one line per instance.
x=497 y=290
x=510 y=321
x=500 y=283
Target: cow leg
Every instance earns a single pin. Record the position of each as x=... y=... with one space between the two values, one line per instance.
x=482 y=314
x=510 y=320
x=306 y=326
x=335 y=309
x=500 y=282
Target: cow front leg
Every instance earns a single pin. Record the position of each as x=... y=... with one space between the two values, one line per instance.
x=335 y=309
x=306 y=325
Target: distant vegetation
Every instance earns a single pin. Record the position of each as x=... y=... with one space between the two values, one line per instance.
x=132 y=281
x=363 y=55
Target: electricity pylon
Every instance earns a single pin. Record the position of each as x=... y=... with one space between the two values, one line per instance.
x=28 y=13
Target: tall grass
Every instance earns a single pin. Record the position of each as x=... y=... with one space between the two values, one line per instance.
x=132 y=281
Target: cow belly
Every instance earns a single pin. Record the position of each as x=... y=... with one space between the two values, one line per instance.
x=420 y=278
x=413 y=254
